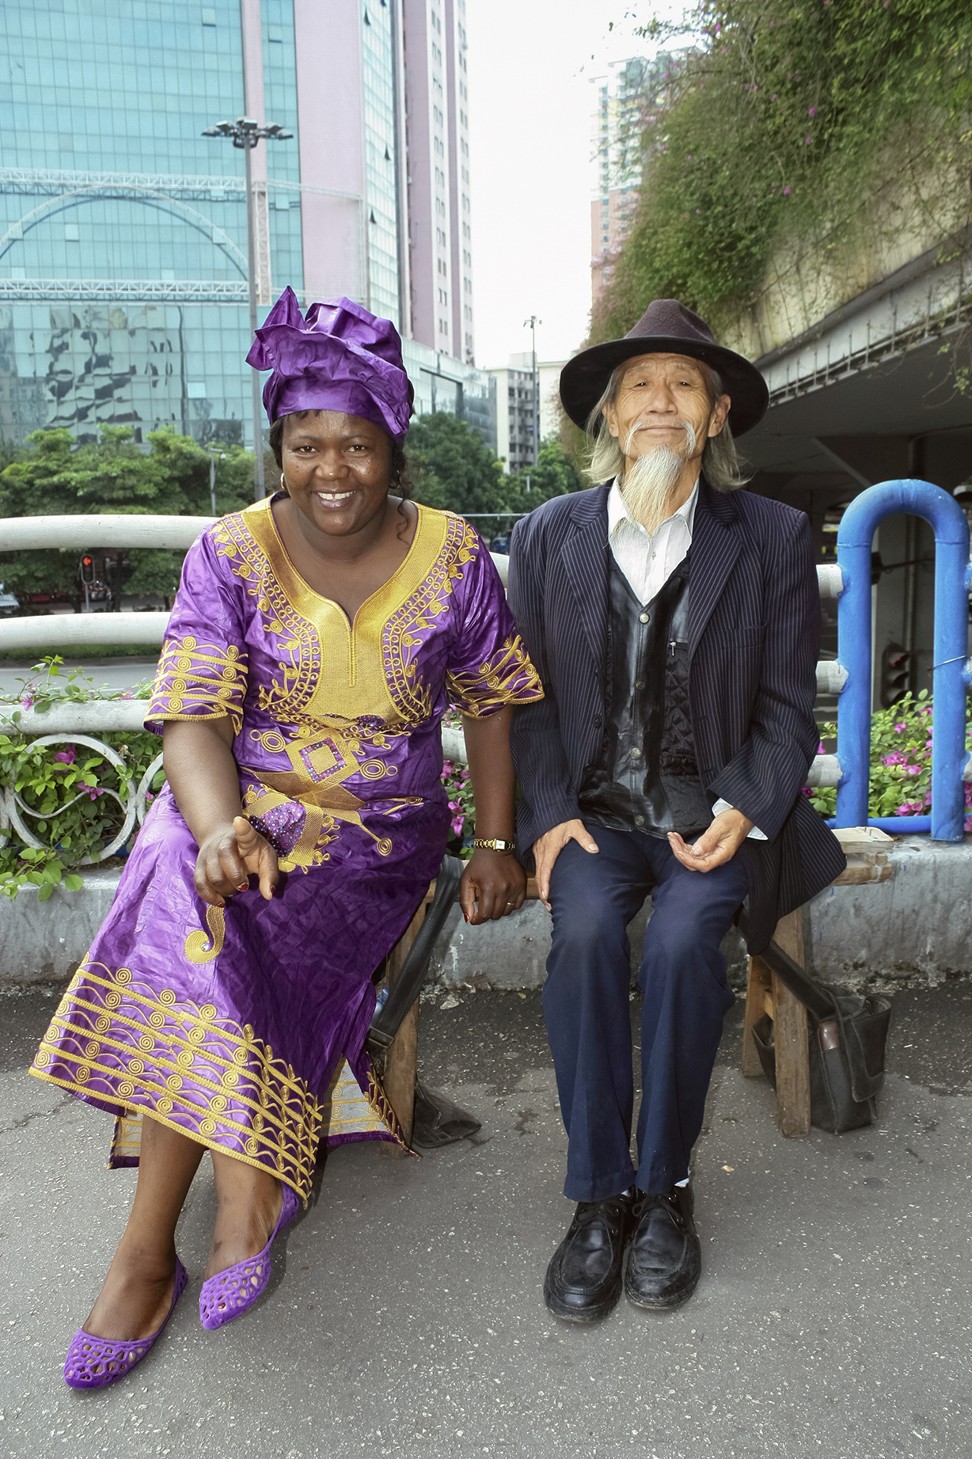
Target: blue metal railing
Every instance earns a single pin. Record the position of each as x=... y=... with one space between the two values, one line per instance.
x=950 y=670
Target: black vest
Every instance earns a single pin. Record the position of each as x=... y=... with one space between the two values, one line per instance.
x=645 y=777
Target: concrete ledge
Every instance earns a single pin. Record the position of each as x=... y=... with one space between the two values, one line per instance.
x=912 y=927
x=41 y=942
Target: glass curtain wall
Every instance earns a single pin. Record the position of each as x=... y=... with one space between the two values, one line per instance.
x=123 y=253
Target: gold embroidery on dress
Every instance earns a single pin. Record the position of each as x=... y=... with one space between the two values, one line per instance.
x=318 y=688
x=207 y=1077
x=323 y=695
x=195 y=947
x=486 y=688
x=203 y=673
x=320 y=767
x=348 y=1110
x=338 y=711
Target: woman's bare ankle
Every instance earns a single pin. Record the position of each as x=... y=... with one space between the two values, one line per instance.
x=246 y=1214
x=135 y=1296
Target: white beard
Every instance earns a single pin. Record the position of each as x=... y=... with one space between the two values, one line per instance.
x=650 y=480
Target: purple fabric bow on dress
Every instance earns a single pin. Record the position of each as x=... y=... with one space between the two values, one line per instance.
x=341 y=357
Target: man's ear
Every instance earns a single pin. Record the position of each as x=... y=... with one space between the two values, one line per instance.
x=720 y=412
x=611 y=420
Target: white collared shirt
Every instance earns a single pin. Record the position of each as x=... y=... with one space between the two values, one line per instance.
x=648 y=560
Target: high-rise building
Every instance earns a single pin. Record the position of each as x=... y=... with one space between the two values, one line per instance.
x=525 y=392
x=437 y=133
x=124 y=270
x=625 y=97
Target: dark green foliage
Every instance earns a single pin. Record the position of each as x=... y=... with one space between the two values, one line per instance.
x=53 y=476
x=451 y=467
x=74 y=798
x=555 y=474
x=793 y=122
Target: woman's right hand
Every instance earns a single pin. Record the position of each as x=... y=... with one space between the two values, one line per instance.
x=229 y=856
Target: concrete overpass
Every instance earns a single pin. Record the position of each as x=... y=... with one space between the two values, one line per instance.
x=865 y=389
x=874 y=389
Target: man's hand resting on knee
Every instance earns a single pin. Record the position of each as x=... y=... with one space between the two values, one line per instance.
x=717 y=845
x=548 y=847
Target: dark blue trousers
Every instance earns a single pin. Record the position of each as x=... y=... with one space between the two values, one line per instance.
x=586 y=1006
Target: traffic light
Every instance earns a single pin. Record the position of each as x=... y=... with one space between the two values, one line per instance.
x=895 y=674
x=87 y=569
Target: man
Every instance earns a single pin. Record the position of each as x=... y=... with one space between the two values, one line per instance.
x=674 y=620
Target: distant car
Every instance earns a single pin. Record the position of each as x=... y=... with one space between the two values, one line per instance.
x=9 y=603
x=500 y=543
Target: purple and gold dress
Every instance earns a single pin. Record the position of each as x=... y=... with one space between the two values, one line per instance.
x=243 y=1027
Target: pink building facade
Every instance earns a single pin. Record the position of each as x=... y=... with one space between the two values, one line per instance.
x=384 y=160
x=628 y=96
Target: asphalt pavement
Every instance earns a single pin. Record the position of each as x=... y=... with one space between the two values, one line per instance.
x=405 y=1318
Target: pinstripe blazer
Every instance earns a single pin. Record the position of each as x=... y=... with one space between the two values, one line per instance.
x=753 y=636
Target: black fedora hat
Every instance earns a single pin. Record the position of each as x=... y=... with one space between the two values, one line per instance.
x=666 y=327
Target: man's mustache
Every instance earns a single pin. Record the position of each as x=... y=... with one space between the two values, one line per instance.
x=683 y=425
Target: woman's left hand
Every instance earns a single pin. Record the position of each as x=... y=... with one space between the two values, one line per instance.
x=492 y=885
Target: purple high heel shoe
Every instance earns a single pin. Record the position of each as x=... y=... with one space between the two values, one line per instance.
x=94 y=1362
x=231 y=1293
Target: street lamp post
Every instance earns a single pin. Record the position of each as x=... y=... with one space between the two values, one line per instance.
x=245 y=133
x=533 y=321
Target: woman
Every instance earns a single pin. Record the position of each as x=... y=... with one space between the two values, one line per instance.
x=315 y=641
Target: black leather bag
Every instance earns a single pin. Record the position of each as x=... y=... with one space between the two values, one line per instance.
x=848 y=1034
x=847 y=1062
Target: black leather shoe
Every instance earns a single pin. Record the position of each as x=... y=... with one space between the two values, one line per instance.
x=664 y=1256
x=583 y=1281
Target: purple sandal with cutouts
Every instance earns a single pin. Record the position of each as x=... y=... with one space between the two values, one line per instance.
x=231 y=1293
x=94 y=1362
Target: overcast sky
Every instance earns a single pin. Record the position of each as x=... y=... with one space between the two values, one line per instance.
x=530 y=108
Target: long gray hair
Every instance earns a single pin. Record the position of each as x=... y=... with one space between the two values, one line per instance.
x=720 y=459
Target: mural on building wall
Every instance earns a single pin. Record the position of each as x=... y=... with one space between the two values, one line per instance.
x=95 y=364
x=111 y=366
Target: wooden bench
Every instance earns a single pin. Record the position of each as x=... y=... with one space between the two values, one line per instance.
x=866 y=849
x=400 y=1062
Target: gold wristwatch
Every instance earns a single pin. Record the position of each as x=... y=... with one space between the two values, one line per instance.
x=492 y=843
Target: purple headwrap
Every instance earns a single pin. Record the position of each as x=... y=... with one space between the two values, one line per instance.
x=341 y=357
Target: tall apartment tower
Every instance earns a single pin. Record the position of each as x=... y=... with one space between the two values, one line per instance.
x=124 y=275
x=385 y=158
x=437 y=137
x=623 y=98
x=524 y=392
